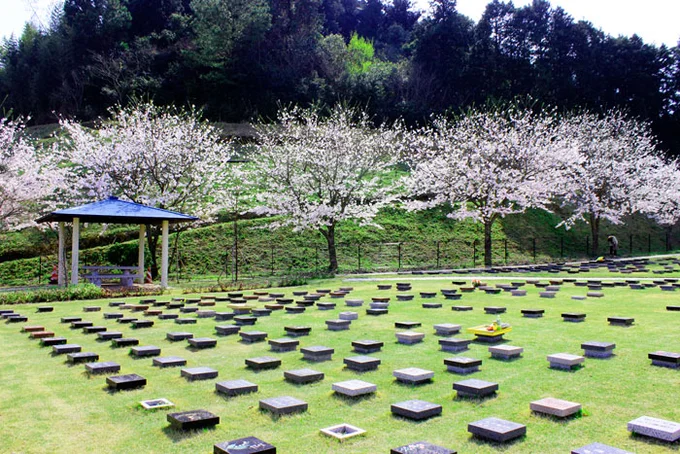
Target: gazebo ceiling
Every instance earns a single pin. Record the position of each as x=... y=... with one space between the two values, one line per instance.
x=115 y=211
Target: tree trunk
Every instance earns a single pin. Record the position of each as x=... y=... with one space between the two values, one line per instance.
x=488 y=250
x=595 y=232
x=329 y=234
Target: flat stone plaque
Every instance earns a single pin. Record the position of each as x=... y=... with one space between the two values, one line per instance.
x=462 y=365
x=303 y=376
x=199 y=373
x=407 y=325
x=565 y=361
x=354 y=388
x=621 y=321
x=496 y=429
x=107 y=367
x=367 y=346
x=665 y=359
x=169 y=361
x=179 y=336
x=148 y=350
x=409 y=337
x=263 y=362
x=108 y=335
x=348 y=315
x=505 y=352
x=446 y=329
x=82 y=357
x=421 y=447
x=362 y=363
x=252 y=336
x=235 y=387
x=247 y=445
x=283 y=344
x=226 y=330
x=317 y=353
x=129 y=381
x=454 y=345
x=475 y=388
x=413 y=375
x=593 y=349
x=416 y=409
x=50 y=341
x=555 y=407
x=338 y=325
x=660 y=429
x=124 y=342
x=202 y=342
x=185 y=321
x=283 y=405
x=66 y=348
x=192 y=420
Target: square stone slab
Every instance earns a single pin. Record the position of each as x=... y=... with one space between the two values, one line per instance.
x=338 y=325
x=354 y=388
x=376 y=311
x=532 y=313
x=555 y=407
x=407 y=325
x=41 y=334
x=252 y=336
x=263 y=362
x=125 y=320
x=416 y=409
x=660 y=429
x=409 y=337
x=247 y=445
x=108 y=335
x=361 y=363
x=665 y=359
x=235 y=387
x=565 y=361
x=593 y=349
x=185 y=321
x=45 y=309
x=295 y=331
x=454 y=345
x=226 y=330
x=413 y=375
x=202 y=342
x=129 y=381
x=199 y=373
x=50 y=341
x=573 y=317
x=317 y=353
x=348 y=315
x=32 y=328
x=475 y=388
x=245 y=320
x=124 y=342
x=179 y=336
x=421 y=447
x=168 y=317
x=496 y=429
x=283 y=405
x=599 y=448
x=621 y=321
x=283 y=344
x=169 y=361
x=461 y=308
x=82 y=357
x=192 y=420
x=81 y=324
x=494 y=309
x=446 y=329
x=148 y=350
x=303 y=376
x=367 y=346
x=505 y=351
x=462 y=364
x=66 y=348
x=107 y=367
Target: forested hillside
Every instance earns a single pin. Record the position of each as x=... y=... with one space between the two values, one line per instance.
x=242 y=59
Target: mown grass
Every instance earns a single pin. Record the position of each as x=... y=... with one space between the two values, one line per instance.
x=49 y=406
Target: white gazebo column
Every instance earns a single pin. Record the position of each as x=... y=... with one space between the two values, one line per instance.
x=140 y=269
x=61 y=266
x=74 y=251
x=164 y=255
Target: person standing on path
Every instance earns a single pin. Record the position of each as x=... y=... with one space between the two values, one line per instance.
x=613 y=245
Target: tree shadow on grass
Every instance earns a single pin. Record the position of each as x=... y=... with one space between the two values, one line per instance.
x=497 y=446
x=562 y=421
x=177 y=436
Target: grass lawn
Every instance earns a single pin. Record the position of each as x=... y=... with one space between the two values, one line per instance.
x=47 y=405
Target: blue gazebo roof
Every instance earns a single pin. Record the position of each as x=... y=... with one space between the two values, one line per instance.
x=115 y=211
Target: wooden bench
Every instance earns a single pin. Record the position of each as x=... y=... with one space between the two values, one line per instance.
x=125 y=274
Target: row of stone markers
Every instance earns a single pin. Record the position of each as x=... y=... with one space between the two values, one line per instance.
x=85 y=328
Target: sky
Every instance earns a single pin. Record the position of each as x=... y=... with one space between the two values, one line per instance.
x=656 y=21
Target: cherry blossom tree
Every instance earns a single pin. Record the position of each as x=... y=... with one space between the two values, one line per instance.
x=615 y=163
x=487 y=165
x=316 y=171
x=162 y=157
x=662 y=196
x=27 y=179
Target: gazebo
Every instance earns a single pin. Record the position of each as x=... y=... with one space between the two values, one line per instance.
x=114 y=211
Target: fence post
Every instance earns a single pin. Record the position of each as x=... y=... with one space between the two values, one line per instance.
x=438 y=261
x=587 y=245
x=505 y=245
x=474 y=253
x=533 y=247
x=399 y=256
x=630 y=244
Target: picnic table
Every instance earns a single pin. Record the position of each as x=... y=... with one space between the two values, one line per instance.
x=125 y=274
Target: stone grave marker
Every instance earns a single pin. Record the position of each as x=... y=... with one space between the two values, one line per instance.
x=665 y=359
x=65 y=348
x=169 y=361
x=462 y=365
x=367 y=346
x=354 y=388
x=409 y=337
x=178 y=336
x=446 y=329
x=303 y=376
x=247 y=445
x=199 y=373
x=452 y=344
x=496 y=429
x=475 y=388
x=565 y=361
x=124 y=342
x=283 y=405
x=593 y=349
x=659 y=429
x=129 y=381
x=233 y=388
x=263 y=363
x=107 y=367
x=338 y=325
x=252 y=336
x=505 y=352
x=416 y=409
x=202 y=342
x=362 y=363
x=421 y=447
x=599 y=448
x=192 y=420
x=317 y=353
x=555 y=407
x=413 y=375
x=148 y=350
